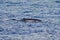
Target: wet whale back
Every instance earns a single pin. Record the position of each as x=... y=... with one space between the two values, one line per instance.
x=30 y=20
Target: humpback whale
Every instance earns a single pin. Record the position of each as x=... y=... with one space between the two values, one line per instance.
x=30 y=20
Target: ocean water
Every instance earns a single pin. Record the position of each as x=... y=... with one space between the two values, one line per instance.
x=13 y=28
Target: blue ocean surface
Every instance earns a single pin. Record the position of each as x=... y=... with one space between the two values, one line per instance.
x=29 y=19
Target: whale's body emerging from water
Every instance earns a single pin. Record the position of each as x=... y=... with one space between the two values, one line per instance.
x=30 y=20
